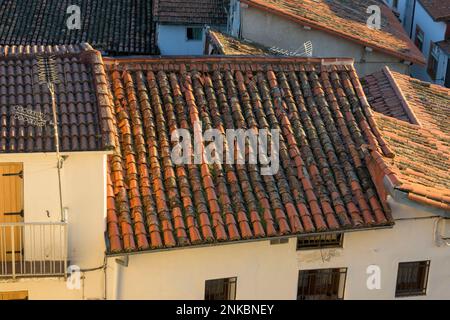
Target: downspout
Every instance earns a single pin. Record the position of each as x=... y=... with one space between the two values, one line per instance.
x=412 y=19
x=118 y=271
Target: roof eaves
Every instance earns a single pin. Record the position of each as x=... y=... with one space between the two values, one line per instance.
x=434 y=17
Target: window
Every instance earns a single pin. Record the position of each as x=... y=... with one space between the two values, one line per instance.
x=321 y=241
x=420 y=36
x=194 y=33
x=395 y=4
x=324 y=284
x=221 y=289
x=412 y=279
x=433 y=60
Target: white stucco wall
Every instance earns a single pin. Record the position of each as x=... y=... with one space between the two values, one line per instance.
x=84 y=195
x=271 y=30
x=172 y=41
x=433 y=31
x=266 y=271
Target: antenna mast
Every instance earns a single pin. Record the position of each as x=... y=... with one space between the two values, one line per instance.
x=48 y=76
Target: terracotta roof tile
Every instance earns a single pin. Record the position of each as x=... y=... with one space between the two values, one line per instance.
x=114 y=27
x=82 y=96
x=347 y=19
x=323 y=183
x=210 y=12
x=416 y=127
x=438 y=9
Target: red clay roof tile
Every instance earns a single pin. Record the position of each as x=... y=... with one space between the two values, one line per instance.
x=210 y=12
x=414 y=120
x=321 y=186
x=347 y=19
x=438 y=9
x=83 y=100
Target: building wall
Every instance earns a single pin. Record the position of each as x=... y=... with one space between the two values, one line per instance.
x=266 y=271
x=404 y=9
x=434 y=31
x=84 y=196
x=172 y=41
x=270 y=30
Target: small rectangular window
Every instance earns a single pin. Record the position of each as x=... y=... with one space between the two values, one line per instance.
x=320 y=241
x=194 y=33
x=221 y=289
x=433 y=61
x=420 y=37
x=323 y=284
x=412 y=279
x=395 y=4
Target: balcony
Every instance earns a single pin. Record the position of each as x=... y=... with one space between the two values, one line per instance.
x=33 y=250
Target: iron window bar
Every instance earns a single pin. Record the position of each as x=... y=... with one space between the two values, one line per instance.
x=324 y=241
x=412 y=278
x=221 y=289
x=322 y=284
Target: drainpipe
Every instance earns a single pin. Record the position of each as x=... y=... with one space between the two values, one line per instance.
x=118 y=270
x=412 y=19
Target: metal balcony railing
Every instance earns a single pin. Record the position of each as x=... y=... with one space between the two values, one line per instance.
x=33 y=250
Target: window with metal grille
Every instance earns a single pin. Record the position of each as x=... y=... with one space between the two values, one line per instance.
x=323 y=284
x=320 y=241
x=221 y=289
x=194 y=33
x=420 y=37
x=412 y=279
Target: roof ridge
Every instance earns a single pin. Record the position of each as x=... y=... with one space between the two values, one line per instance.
x=14 y=51
x=404 y=102
x=238 y=59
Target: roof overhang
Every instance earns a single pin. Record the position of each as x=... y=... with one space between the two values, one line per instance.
x=402 y=197
x=228 y=243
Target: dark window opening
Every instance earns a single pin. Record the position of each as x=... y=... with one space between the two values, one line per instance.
x=395 y=4
x=433 y=61
x=412 y=279
x=221 y=289
x=194 y=33
x=420 y=37
x=324 y=284
x=321 y=241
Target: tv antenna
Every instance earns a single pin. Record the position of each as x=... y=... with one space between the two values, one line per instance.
x=48 y=76
x=305 y=50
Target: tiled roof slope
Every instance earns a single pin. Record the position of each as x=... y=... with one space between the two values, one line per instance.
x=438 y=9
x=348 y=19
x=228 y=45
x=323 y=184
x=211 y=12
x=83 y=104
x=417 y=129
x=114 y=27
